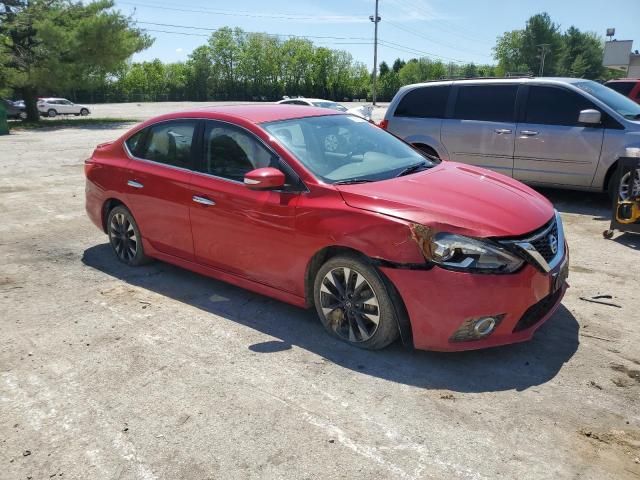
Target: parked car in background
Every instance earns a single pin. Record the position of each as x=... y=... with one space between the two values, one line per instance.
x=629 y=87
x=380 y=239
x=558 y=132
x=52 y=107
x=314 y=102
x=14 y=111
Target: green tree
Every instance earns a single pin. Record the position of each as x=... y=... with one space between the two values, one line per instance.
x=199 y=73
x=398 y=64
x=59 y=44
x=581 y=54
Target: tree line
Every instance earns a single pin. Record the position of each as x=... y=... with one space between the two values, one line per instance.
x=83 y=50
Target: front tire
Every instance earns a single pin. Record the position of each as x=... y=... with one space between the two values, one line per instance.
x=354 y=304
x=125 y=238
x=84 y=112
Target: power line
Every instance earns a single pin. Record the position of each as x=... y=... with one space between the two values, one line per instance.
x=440 y=22
x=203 y=35
x=232 y=13
x=190 y=27
x=418 y=34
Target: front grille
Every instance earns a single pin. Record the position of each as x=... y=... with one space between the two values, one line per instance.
x=537 y=311
x=542 y=243
x=538 y=247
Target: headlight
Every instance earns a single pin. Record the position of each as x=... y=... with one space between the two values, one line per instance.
x=457 y=252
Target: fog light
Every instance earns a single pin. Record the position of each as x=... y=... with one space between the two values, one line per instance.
x=476 y=328
x=484 y=326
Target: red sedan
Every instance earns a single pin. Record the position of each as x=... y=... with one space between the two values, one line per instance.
x=320 y=208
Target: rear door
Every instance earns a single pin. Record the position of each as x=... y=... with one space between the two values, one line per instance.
x=552 y=147
x=482 y=130
x=158 y=185
x=245 y=232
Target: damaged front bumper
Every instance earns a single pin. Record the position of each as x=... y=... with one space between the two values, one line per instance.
x=440 y=301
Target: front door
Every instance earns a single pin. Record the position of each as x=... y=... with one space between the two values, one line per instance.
x=482 y=130
x=552 y=147
x=241 y=231
x=159 y=185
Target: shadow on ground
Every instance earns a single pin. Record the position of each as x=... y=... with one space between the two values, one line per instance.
x=513 y=367
x=596 y=205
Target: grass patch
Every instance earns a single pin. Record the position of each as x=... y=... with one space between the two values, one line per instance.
x=56 y=123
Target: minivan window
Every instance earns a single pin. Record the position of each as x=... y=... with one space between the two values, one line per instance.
x=424 y=102
x=554 y=106
x=621 y=104
x=170 y=143
x=491 y=103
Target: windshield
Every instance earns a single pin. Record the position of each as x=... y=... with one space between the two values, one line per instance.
x=345 y=148
x=331 y=105
x=621 y=104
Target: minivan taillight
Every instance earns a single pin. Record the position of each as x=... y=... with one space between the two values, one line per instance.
x=384 y=124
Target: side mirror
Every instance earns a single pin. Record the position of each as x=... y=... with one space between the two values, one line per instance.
x=264 y=179
x=590 y=116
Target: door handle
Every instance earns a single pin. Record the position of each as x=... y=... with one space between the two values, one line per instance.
x=502 y=131
x=203 y=200
x=134 y=184
x=529 y=133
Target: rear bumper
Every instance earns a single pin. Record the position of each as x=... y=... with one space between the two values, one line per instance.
x=94 y=202
x=439 y=302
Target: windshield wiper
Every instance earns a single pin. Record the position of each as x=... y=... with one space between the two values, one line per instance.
x=412 y=168
x=351 y=181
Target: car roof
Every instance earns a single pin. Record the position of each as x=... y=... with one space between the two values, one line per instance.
x=480 y=81
x=308 y=99
x=257 y=113
x=624 y=80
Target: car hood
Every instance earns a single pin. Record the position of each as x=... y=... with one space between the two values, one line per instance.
x=457 y=198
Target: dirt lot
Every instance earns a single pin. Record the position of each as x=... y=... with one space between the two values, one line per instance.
x=108 y=372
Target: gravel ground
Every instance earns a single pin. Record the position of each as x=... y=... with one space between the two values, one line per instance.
x=152 y=373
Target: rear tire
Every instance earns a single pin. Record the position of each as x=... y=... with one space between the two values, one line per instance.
x=125 y=238
x=51 y=113
x=84 y=112
x=354 y=304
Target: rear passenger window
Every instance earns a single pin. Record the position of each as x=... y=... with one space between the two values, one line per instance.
x=134 y=142
x=491 y=103
x=554 y=106
x=424 y=102
x=170 y=143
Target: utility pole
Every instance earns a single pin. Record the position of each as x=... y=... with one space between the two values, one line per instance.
x=543 y=53
x=375 y=19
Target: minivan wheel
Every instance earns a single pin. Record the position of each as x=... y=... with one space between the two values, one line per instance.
x=51 y=113
x=354 y=303
x=125 y=237
x=625 y=187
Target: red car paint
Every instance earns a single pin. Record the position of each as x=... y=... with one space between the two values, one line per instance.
x=271 y=237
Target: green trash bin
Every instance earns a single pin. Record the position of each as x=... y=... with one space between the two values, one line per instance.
x=4 y=126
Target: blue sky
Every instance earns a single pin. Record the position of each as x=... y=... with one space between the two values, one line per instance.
x=459 y=30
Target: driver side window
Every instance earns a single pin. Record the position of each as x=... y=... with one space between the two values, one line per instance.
x=230 y=152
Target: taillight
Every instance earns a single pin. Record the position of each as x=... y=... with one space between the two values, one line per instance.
x=384 y=124
x=88 y=166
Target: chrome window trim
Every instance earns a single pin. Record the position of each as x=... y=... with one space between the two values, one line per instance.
x=526 y=245
x=131 y=156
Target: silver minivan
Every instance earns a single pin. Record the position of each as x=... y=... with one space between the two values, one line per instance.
x=559 y=132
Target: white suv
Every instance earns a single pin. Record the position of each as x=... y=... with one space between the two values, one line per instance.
x=52 y=107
